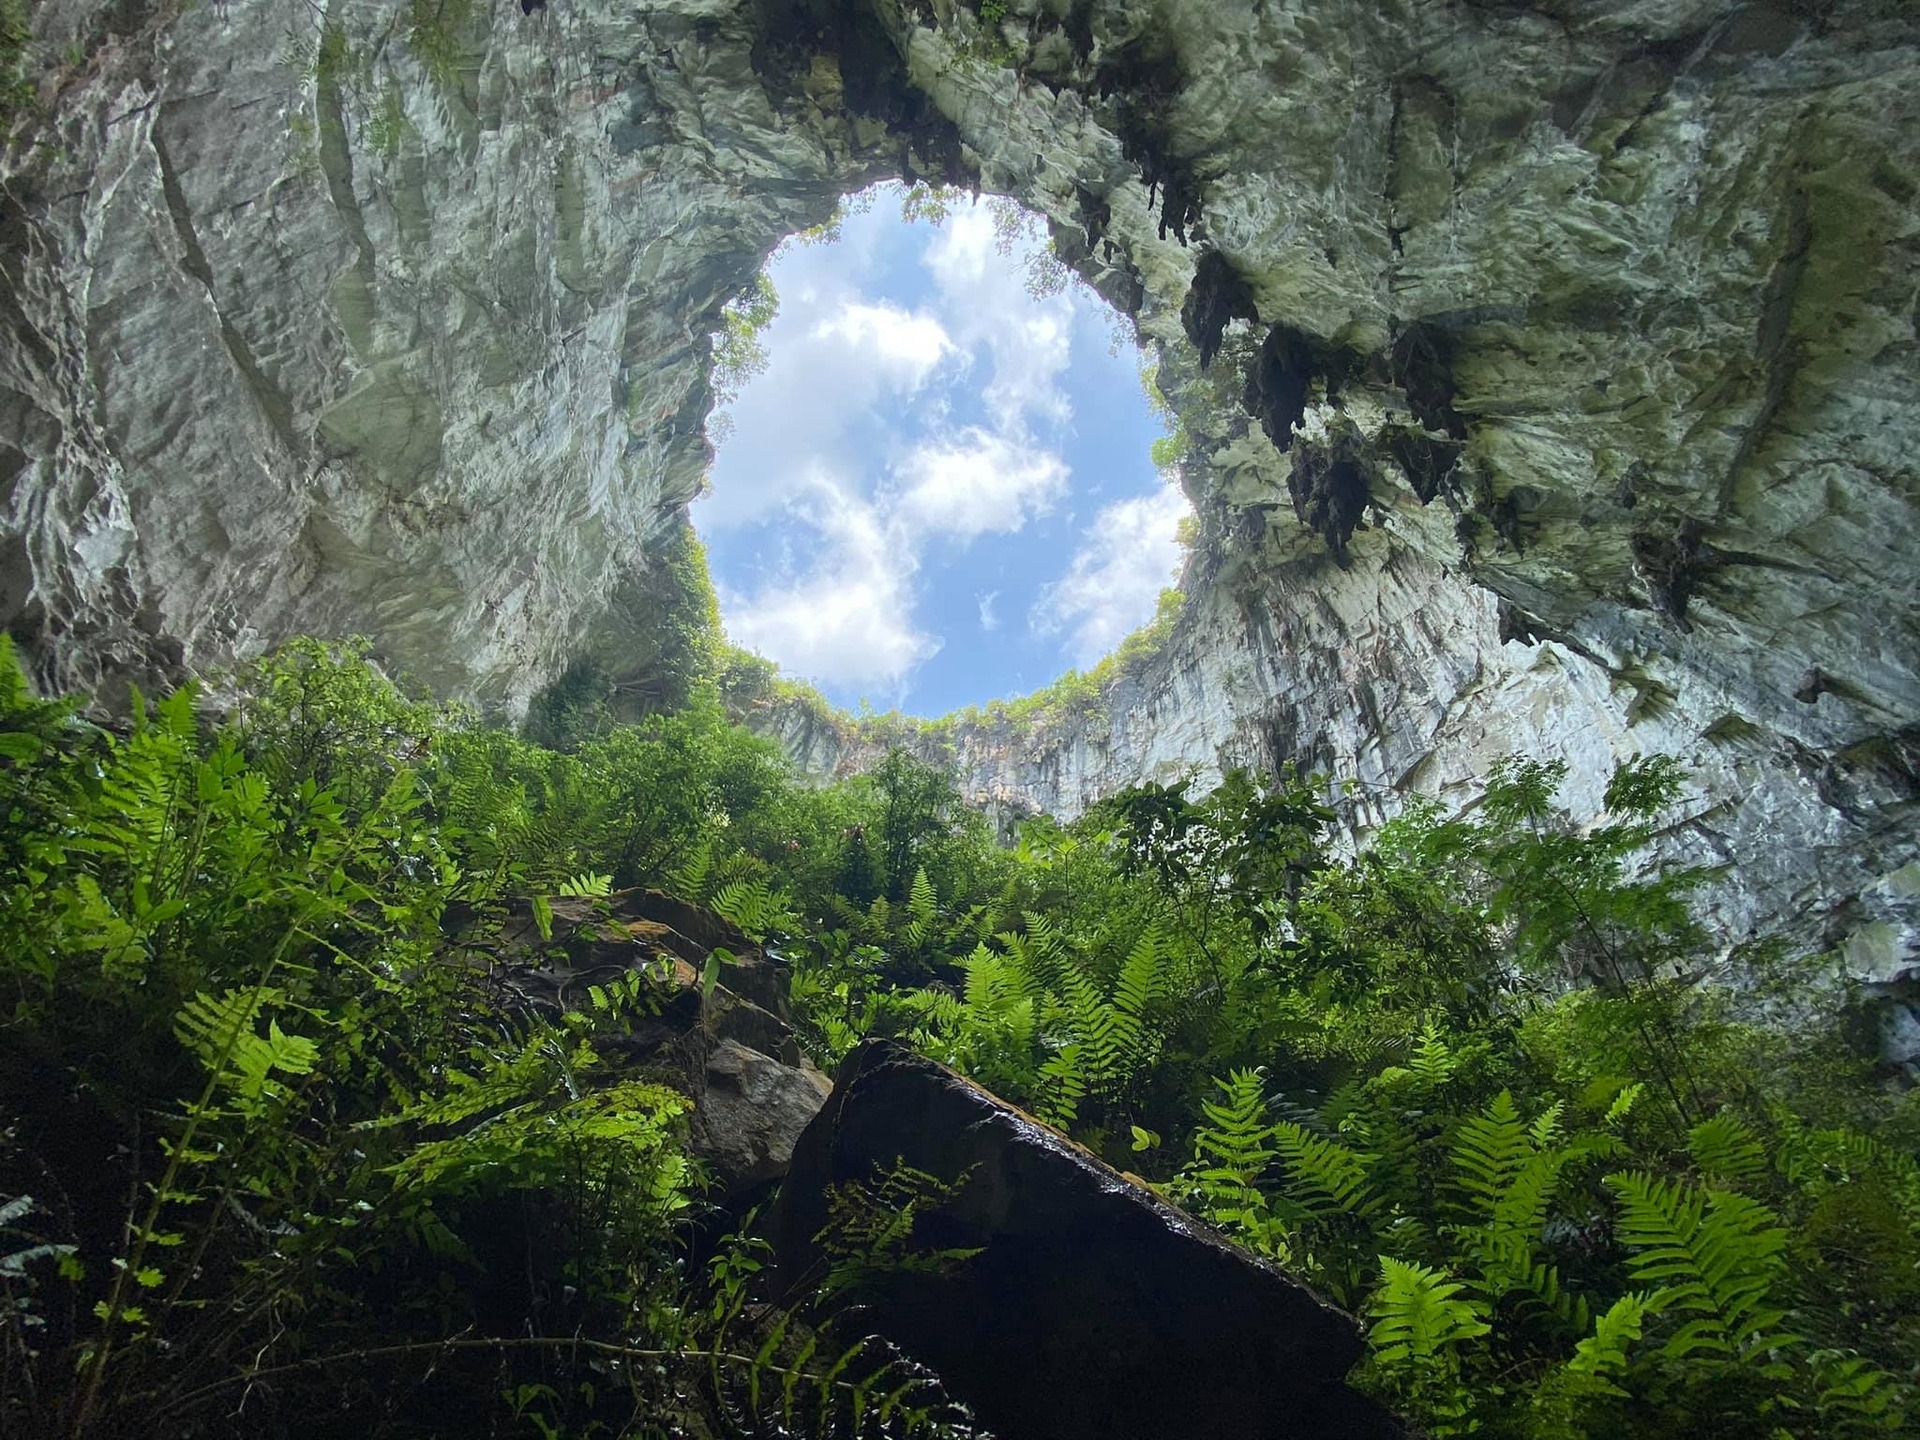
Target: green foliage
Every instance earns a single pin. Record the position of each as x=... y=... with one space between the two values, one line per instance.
x=740 y=351
x=756 y=907
x=1714 y=1256
x=16 y=60
x=436 y=37
x=870 y=1230
x=1173 y=446
x=1420 y=1315
x=1434 y=1054
x=227 y=936
x=1077 y=693
x=1464 y=1081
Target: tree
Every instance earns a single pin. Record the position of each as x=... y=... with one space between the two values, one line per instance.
x=917 y=804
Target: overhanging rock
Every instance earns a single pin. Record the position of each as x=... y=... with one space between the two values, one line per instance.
x=1094 y=1310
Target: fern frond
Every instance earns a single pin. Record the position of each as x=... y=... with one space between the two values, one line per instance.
x=1603 y=1354
x=1323 y=1176
x=1855 y=1392
x=1726 y=1150
x=1490 y=1151
x=1623 y=1104
x=753 y=905
x=1714 y=1256
x=222 y=1032
x=1419 y=1314
x=1236 y=1134
x=1433 y=1061
x=923 y=908
x=1064 y=1086
x=1143 y=981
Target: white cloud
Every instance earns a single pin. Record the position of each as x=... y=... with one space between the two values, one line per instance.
x=845 y=441
x=977 y=483
x=849 y=618
x=909 y=347
x=1128 y=557
x=834 y=359
x=984 y=301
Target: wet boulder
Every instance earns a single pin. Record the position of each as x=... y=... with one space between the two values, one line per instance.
x=1093 y=1309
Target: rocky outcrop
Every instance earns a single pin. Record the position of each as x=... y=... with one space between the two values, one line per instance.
x=729 y=1049
x=1088 y=1308
x=1549 y=370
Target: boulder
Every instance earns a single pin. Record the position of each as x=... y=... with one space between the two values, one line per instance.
x=1093 y=1309
x=751 y=1110
x=730 y=1051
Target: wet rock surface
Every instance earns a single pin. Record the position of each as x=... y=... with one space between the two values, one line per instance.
x=1093 y=1308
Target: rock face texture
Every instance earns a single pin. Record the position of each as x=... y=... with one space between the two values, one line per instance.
x=730 y=1051
x=1083 y=1281
x=1550 y=368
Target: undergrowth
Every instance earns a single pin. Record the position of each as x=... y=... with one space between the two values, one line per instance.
x=276 y=1142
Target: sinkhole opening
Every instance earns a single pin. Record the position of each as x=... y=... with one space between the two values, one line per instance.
x=942 y=476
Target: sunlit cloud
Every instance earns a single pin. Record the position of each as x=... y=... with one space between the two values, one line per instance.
x=860 y=467
x=849 y=617
x=1127 y=558
x=984 y=298
x=905 y=345
x=977 y=483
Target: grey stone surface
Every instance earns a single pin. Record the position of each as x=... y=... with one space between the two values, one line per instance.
x=751 y=1113
x=407 y=336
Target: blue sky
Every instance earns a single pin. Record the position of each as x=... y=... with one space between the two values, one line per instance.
x=938 y=492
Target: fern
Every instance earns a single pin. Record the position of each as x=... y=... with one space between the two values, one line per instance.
x=1490 y=1150
x=1064 y=1086
x=1854 y=1394
x=1726 y=1150
x=1420 y=1315
x=870 y=1229
x=693 y=876
x=1506 y=1173
x=1622 y=1104
x=1819 y=1161
x=1715 y=1257
x=1144 y=981
x=1233 y=1152
x=923 y=909
x=1233 y=1147
x=1324 y=1177
x=753 y=905
x=222 y=1033
x=1603 y=1355
x=1434 y=1061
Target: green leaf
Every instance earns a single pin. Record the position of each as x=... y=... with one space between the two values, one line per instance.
x=16 y=745
x=1419 y=1314
x=710 y=973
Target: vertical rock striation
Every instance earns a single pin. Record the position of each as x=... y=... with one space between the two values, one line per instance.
x=1550 y=368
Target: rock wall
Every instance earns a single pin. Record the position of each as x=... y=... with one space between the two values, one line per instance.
x=381 y=319
x=1550 y=368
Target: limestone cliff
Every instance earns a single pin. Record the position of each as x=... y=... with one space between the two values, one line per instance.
x=1550 y=367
